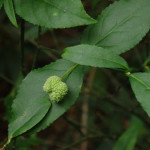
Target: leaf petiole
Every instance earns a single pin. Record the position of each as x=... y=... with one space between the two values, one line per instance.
x=140 y=81
x=69 y=71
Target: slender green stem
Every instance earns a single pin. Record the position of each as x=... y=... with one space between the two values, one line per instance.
x=78 y=125
x=73 y=124
x=22 y=45
x=68 y=72
x=55 y=39
x=36 y=52
x=46 y=49
x=111 y=99
x=8 y=142
x=81 y=140
x=6 y=79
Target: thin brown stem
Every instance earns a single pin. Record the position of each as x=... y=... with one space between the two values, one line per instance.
x=48 y=51
x=130 y=110
x=84 y=116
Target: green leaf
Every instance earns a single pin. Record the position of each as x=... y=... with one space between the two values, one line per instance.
x=128 y=139
x=26 y=114
x=32 y=89
x=120 y=26
x=94 y=56
x=1 y=3
x=53 y=13
x=9 y=9
x=9 y=99
x=74 y=83
x=140 y=83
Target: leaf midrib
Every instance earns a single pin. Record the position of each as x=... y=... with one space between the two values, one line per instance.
x=140 y=81
x=113 y=28
x=42 y=106
x=125 y=67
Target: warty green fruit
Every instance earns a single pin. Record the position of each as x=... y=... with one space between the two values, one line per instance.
x=55 y=88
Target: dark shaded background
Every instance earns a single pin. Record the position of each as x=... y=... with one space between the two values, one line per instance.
x=106 y=102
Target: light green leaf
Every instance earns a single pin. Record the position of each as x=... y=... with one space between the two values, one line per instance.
x=53 y=13
x=9 y=9
x=26 y=114
x=140 y=83
x=94 y=56
x=32 y=89
x=128 y=139
x=1 y=3
x=120 y=26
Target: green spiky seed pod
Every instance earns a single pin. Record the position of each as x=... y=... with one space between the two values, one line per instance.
x=61 y=87
x=50 y=83
x=59 y=91
x=55 y=88
x=55 y=97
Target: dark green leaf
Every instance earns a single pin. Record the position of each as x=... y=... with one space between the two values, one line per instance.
x=74 y=83
x=128 y=139
x=120 y=26
x=9 y=99
x=53 y=13
x=9 y=9
x=32 y=89
x=94 y=56
x=140 y=83
x=27 y=114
